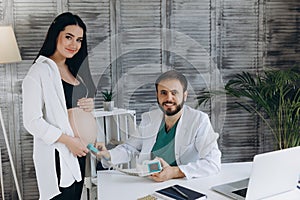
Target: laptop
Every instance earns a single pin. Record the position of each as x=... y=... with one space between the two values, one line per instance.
x=272 y=173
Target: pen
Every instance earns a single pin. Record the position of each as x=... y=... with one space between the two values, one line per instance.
x=180 y=192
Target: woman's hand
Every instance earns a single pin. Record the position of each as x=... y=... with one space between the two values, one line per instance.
x=87 y=104
x=168 y=172
x=74 y=144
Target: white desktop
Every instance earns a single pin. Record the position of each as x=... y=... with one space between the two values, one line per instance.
x=115 y=185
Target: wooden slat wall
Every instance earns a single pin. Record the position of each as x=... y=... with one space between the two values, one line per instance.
x=131 y=42
x=1 y=11
x=138 y=53
x=4 y=98
x=282 y=33
x=239 y=50
x=97 y=18
x=281 y=46
x=190 y=22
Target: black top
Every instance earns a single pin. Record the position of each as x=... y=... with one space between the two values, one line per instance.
x=74 y=92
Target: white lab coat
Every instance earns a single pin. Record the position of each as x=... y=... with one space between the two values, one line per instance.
x=45 y=117
x=196 y=148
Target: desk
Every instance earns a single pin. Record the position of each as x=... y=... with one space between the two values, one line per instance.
x=114 y=127
x=115 y=185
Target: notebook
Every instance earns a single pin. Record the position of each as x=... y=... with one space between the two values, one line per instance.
x=272 y=173
x=179 y=192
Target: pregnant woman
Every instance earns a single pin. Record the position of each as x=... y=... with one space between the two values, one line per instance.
x=57 y=92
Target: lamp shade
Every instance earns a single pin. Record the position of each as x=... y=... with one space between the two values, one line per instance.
x=9 y=51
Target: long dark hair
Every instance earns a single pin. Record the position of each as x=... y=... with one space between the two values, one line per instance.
x=78 y=64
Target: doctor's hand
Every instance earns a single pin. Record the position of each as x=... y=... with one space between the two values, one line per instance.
x=87 y=104
x=168 y=172
x=103 y=152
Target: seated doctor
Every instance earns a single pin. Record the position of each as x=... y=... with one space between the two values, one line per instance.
x=181 y=137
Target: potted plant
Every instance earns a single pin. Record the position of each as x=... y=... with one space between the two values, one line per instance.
x=108 y=103
x=273 y=95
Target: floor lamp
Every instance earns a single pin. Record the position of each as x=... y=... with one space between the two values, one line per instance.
x=9 y=53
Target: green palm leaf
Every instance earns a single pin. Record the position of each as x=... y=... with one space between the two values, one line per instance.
x=273 y=95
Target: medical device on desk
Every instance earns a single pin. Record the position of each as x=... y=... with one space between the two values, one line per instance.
x=147 y=167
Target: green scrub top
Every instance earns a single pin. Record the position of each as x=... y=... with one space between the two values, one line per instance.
x=164 y=146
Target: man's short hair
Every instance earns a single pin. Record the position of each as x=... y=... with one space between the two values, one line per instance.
x=171 y=75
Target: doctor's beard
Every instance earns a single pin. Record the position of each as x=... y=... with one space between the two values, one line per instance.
x=170 y=112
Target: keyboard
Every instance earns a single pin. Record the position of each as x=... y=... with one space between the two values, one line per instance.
x=241 y=192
